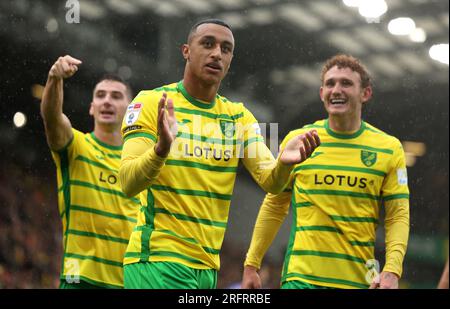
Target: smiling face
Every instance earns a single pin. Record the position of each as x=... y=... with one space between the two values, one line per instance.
x=209 y=52
x=109 y=103
x=342 y=93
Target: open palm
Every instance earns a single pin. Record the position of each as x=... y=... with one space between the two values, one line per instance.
x=299 y=148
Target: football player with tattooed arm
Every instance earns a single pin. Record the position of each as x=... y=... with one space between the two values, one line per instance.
x=182 y=146
x=336 y=195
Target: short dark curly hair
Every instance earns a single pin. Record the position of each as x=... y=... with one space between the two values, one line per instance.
x=347 y=61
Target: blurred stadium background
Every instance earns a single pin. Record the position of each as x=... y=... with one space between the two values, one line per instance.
x=280 y=46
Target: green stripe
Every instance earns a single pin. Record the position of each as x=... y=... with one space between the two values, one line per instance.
x=140 y=134
x=111 y=147
x=354 y=146
x=102 y=213
x=207 y=114
x=331 y=255
x=329 y=280
x=165 y=253
x=101 y=189
x=362 y=243
x=354 y=219
x=98 y=236
x=210 y=140
x=339 y=193
x=94 y=258
x=318 y=228
x=344 y=136
x=202 y=166
x=225 y=100
x=191 y=219
x=177 y=255
x=395 y=197
x=149 y=214
x=302 y=204
x=292 y=235
x=211 y=250
x=220 y=196
x=188 y=239
x=253 y=140
x=109 y=155
x=339 y=168
x=194 y=101
x=132 y=254
x=95 y=163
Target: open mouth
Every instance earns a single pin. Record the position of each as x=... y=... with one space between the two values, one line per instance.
x=107 y=113
x=338 y=101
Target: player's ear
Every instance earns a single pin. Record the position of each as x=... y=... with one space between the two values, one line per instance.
x=321 y=93
x=185 y=51
x=366 y=94
x=91 y=109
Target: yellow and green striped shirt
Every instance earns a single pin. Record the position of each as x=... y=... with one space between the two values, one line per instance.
x=184 y=212
x=336 y=198
x=97 y=217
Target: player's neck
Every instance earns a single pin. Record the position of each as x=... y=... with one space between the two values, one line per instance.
x=108 y=136
x=344 y=124
x=200 y=90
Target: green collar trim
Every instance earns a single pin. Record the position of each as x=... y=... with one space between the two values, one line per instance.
x=193 y=100
x=104 y=144
x=345 y=136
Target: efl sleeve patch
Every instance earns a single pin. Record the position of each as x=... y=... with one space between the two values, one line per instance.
x=402 y=176
x=132 y=113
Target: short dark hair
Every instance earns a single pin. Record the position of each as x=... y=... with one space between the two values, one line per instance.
x=116 y=78
x=207 y=21
x=347 y=61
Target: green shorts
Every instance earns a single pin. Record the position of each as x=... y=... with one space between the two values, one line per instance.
x=167 y=275
x=301 y=285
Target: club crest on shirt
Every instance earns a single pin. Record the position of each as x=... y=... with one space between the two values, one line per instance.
x=132 y=113
x=368 y=157
x=227 y=127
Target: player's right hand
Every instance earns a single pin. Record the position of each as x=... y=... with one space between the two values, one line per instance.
x=64 y=67
x=251 y=278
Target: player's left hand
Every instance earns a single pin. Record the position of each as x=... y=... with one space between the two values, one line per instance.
x=386 y=280
x=167 y=126
x=300 y=148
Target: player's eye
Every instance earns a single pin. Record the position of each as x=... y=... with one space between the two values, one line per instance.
x=208 y=44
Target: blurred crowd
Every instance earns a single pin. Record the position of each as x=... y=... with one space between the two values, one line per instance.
x=30 y=229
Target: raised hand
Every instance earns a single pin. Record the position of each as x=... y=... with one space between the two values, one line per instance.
x=64 y=67
x=299 y=148
x=167 y=126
